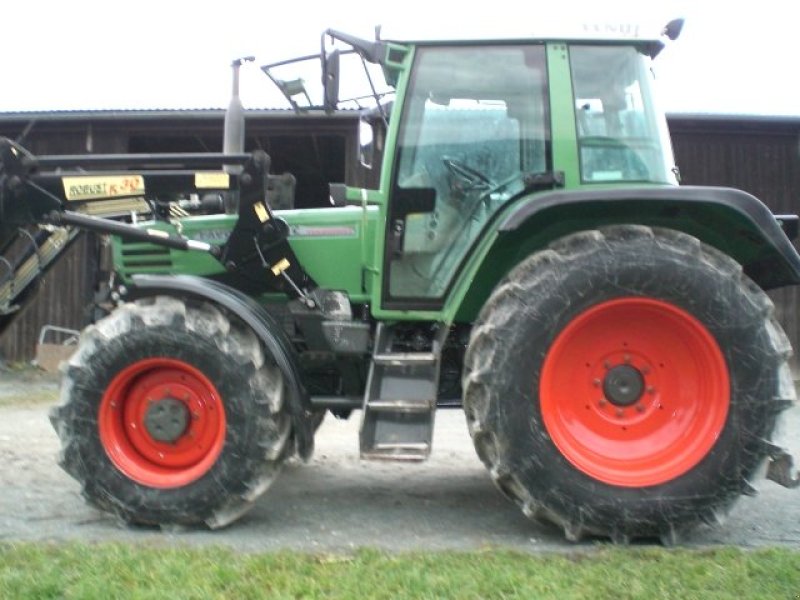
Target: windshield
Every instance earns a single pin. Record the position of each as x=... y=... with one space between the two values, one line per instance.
x=620 y=134
x=475 y=120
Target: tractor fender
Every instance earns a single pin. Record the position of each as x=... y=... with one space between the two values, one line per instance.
x=730 y=220
x=259 y=320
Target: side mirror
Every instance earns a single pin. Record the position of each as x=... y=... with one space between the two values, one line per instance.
x=330 y=79
x=366 y=143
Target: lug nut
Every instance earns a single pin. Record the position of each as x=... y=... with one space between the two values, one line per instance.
x=596 y=382
x=619 y=412
x=640 y=408
x=651 y=389
x=602 y=402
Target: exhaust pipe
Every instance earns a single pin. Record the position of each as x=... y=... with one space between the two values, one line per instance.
x=233 y=134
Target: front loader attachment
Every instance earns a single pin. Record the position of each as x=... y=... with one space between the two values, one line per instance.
x=46 y=201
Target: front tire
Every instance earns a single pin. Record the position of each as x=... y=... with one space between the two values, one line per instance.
x=171 y=414
x=625 y=383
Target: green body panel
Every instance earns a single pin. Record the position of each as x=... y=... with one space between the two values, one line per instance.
x=382 y=197
x=136 y=258
x=562 y=116
x=502 y=251
x=332 y=244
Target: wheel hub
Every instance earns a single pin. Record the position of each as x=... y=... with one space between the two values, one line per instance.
x=623 y=385
x=166 y=420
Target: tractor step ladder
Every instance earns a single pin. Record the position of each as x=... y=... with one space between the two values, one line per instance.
x=400 y=400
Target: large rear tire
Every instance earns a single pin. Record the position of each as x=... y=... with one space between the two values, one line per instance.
x=171 y=414
x=625 y=383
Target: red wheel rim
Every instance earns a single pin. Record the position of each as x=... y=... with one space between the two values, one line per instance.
x=124 y=432
x=669 y=427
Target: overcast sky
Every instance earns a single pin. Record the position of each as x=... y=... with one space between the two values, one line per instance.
x=87 y=54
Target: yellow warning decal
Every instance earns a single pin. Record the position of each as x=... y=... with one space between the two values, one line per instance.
x=261 y=212
x=280 y=266
x=95 y=188
x=212 y=180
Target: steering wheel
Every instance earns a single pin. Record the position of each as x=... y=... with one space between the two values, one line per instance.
x=471 y=179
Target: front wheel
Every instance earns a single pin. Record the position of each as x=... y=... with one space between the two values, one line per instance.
x=625 y=383
x=172 y=414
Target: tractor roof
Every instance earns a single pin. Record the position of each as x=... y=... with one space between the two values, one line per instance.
x=646 y=35
x=544 y=30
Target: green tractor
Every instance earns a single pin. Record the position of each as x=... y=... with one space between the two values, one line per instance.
x=525 y=253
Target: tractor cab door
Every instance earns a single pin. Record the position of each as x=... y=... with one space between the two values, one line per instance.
x=475 y=125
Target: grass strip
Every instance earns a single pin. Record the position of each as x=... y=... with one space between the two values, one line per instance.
x=36 y=570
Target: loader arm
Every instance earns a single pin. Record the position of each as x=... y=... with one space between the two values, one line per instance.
x=46 y=201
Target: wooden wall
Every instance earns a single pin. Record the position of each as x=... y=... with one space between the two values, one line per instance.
x=63 y=296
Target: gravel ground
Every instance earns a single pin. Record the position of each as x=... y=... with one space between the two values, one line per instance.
x=335 y=502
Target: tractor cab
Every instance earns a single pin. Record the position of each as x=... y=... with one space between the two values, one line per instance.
x=458 y=132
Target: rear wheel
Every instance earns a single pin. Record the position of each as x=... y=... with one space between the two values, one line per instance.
x=171 y=414
x=625 y=383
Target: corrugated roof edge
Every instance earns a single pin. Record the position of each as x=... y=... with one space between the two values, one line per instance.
x=160 y=113
x=721 y=117
x=204 y=113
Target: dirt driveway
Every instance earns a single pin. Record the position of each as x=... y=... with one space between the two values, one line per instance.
x=335 y=502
